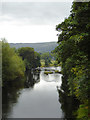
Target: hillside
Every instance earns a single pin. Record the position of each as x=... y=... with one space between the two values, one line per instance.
x=38 y=47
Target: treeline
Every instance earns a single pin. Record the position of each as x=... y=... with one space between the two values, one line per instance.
x=73 y=54
x=16 y=62
x=48 y=59
x=38 y=47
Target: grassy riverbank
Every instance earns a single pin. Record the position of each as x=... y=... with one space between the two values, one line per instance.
x=53 y=63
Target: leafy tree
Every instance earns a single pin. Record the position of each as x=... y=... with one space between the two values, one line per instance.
x=47 y=57
x=30 y=57
x=12 y=65
x=72 y=51
x=37 y=60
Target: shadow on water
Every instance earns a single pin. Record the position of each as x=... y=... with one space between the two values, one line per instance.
x=69 y=104
x=32 y=77
x=12 y=90
x=10 y=94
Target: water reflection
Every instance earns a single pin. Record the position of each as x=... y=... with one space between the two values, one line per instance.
x=10 y=94
x=32 y=77
x=12 y=91
x=68 y=103
x=36 y=98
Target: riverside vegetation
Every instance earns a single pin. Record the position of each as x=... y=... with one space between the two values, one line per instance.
x=73 y=54
x=16 y=62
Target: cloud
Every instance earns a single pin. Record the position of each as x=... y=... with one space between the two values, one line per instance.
x=36 y=13
x=40 y=0
x=29 y=33
x=31 y=22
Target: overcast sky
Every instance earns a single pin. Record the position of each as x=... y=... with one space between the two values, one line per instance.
x=30 y=22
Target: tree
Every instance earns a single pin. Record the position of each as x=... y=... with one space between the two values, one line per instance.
x=36 y=60
x=72 y=51
x=30 y=57
x=12 y=65
x=47 y=57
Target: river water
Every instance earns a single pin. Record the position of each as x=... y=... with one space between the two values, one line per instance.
x=38 y=98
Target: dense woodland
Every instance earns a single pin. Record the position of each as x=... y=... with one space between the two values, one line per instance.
x=73 y=54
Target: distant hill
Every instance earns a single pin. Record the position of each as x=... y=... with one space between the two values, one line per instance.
x=38 y=47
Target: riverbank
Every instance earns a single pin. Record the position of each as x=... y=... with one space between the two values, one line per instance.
x=37 y=100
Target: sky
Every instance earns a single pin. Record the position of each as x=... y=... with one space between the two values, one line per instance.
x=32 y=22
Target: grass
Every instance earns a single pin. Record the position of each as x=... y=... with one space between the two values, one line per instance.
x=48 y=72
x=57 y=71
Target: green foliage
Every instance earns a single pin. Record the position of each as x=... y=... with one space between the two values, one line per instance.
x=57 y=71
x=48 y=72
x=42 y=63
x=72 y=52
x=12 y=65
x=54 y=63
x=37 y=62
x=83 y=112
x=47 y=58
x=30 y=57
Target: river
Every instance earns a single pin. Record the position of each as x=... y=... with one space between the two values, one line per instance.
x=38 y=98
